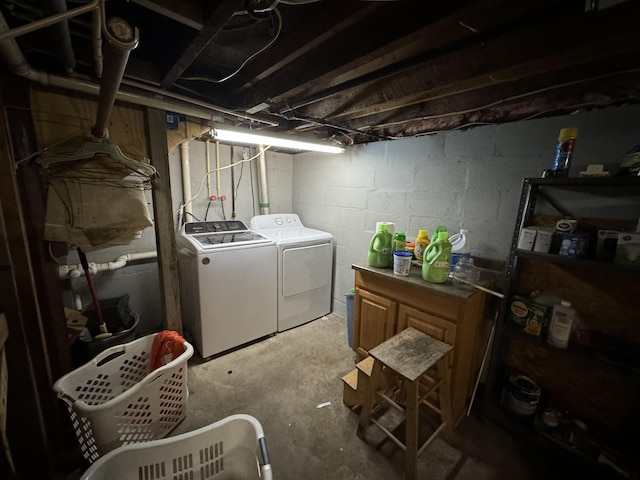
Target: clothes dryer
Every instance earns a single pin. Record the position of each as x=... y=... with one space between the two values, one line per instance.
x=305 y=267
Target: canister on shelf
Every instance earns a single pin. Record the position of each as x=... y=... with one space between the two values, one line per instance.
x=564 y=151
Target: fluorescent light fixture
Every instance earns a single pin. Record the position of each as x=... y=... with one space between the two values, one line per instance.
x=238 y=136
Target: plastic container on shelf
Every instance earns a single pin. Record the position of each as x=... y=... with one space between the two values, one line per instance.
x=435 y=265
x=421 y=244
x=564 y=151
x=460 y=246
x=562 y=317
x=116 y=399
x=231 y=448
x=520 y=395
x=465 y=274
x=401 y=263
x=399 y=241
x=410 y=248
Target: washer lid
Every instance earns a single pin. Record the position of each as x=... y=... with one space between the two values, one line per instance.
x=212 y=240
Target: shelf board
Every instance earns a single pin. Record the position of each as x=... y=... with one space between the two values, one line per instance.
x=578 y=262
x=574 y=350
x=587 y=181
x=523 y=429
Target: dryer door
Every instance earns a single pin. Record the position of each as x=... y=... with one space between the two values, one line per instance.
x=306 y=268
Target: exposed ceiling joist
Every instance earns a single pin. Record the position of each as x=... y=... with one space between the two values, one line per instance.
x=358 y=71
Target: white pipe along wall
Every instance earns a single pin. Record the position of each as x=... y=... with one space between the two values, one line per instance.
x=264 y=191
x=76 y=270
x=186 y=178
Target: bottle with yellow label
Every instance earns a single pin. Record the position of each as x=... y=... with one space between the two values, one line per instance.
x=421 y=244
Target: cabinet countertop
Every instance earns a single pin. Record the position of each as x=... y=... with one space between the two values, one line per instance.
x=415 y=279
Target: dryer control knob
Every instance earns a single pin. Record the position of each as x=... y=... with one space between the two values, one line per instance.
x=279 y=221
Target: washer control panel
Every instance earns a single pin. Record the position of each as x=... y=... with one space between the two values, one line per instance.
x=195 y=228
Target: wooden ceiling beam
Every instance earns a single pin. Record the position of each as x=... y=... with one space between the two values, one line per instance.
x=598 y=93
x=187 y=13
x=214 y=22
x=590 y=53
x=611 y=40
x=461 y=25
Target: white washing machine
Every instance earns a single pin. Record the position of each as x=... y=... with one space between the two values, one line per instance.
x=305 y=264
x=227 y=284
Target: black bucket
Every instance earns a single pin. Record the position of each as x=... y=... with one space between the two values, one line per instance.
x=121 y=322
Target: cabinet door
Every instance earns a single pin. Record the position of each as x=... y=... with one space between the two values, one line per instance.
x=375 y=320
x=435 y=327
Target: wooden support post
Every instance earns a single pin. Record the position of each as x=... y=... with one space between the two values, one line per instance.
x=163 y=216
x=29 y=381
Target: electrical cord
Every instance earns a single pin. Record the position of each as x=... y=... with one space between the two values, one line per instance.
x=251 y=57
x=244 y=157
x=231 y=165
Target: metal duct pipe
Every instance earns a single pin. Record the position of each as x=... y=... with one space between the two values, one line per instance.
x=263 y=194
x=61 y=33
x=186 y=177
x=11 y=53
x=48 y=21
x=121 y=39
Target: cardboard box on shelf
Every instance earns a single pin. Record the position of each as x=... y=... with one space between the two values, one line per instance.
x=574 y=245
x=528 y=315
x=527 y=238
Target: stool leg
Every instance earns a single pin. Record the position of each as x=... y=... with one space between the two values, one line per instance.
x=369 y=398
x=411 y=426
x=444 y=391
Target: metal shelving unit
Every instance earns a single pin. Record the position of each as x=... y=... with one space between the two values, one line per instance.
x=535 y=191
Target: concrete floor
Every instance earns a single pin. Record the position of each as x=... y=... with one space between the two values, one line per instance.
x=281 y=381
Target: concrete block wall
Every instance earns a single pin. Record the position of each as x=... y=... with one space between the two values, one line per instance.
x=462 y=179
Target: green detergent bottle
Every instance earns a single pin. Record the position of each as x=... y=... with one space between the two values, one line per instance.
x=436 y=262
x=439 y=229
x=381 y=249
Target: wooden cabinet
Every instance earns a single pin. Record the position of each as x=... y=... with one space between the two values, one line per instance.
x=595 y=379
x=386 y=304
x=375 y=321
x=435 y=327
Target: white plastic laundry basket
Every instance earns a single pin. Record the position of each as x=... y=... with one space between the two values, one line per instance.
x=233 y=448
x=115 y=399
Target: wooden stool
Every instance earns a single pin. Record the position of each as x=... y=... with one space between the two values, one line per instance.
x=410 y=354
